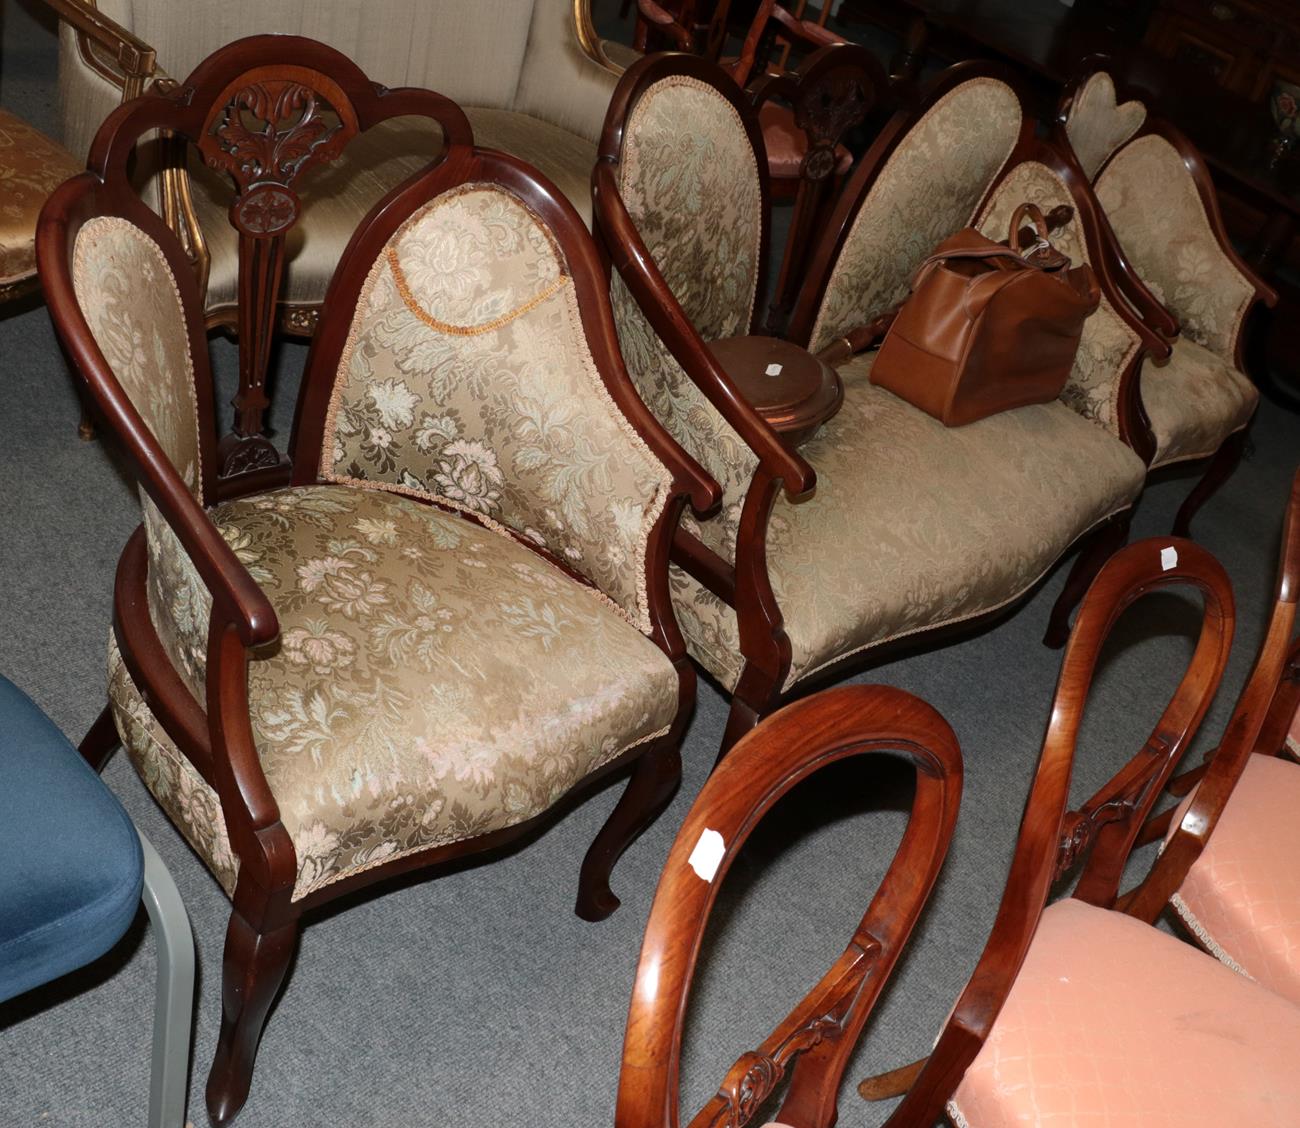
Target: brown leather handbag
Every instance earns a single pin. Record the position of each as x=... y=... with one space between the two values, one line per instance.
x=988 y=326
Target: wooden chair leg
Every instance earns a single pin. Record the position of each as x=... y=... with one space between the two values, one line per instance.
x=1100 y=546
x=655 y=779
x=85 y=427
x=887 y=1086
x=101 y=741
x=1222 y=465
x=254 y=967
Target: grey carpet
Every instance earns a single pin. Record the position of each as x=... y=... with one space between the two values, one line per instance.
x=478 y=998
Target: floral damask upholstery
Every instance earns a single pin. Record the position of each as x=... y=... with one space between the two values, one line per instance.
x=31 y=167
x=1153 y=205
x=914 y=524
x=1293 y=736
x=1097 y=125
x=1194 y=402
x=1241 y=898
x=1113 y=1023
x=1107 y=345
x=467 y=378
x=929 y=187
x=411 y=699
x=131 y=301
x=695 y=198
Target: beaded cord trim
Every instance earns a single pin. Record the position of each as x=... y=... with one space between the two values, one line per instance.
x=404 y=292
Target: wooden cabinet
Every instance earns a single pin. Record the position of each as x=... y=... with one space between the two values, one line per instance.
x=1245 y=45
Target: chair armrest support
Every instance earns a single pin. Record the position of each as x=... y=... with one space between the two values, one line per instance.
x=132 y=61
x=637 y=268
x=663 y=21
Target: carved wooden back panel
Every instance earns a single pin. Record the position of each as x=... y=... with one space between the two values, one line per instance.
x=264 y=122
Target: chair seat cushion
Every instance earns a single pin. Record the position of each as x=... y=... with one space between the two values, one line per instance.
x=1112 y=1022
x=336 y=197
x=1241 y=898
x=1194 y=402
x=914 y=524
x=433 y=680
x=787 y=144
x=71 y=867
x=31 y=167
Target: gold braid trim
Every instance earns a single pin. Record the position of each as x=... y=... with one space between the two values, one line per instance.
x=404 y=291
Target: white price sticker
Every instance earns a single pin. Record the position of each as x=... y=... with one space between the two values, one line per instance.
x=707 y=855
x=1169 y=558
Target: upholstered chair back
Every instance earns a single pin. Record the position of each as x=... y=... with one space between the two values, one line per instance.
x=927 y=188
x=1108 y=345
x=467 y=377
x=1097 y=125
x=689 y=171
x=1156 y=210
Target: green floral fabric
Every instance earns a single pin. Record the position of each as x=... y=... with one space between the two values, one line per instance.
x=914 y=525
x=928 y=188
x=467 y=377
x=1156 y=211
x=1097 y=126
x=1195 y=402
x=694 y=195
x=433 y=680
x=1108 y=345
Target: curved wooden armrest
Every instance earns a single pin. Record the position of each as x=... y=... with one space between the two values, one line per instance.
x=664 y=21
x=808 y=32
x=764 y=765
x=1241 y=737
x=135 y=59
x=1040 y=850
x=638 y=270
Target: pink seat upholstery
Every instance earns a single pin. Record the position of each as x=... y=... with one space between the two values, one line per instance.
x=1112 y=1022
x=1241 y=898
x=787 y=144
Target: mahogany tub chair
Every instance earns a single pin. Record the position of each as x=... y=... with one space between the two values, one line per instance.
x=456 y=614
x=810 y=1046
x=913 y=525
x=1077 y=1012
x=517 y=67
x=1227 y=867
x=1186 y=280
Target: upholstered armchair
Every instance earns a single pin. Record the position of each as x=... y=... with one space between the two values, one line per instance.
x=913 y=526
x=1078 y=1011
x=516 y=65
x=810 y=1047
x=456 y=614
x=1187 y=282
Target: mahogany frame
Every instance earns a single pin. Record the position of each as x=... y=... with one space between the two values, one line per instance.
x=1224 y=461
x=216 y=735
x=1259 y=723
x=1097 y=838
x=814 y=1041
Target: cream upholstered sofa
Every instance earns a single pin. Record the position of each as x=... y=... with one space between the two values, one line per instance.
x=912 y=525
x=517 y=66
x=1184 y=277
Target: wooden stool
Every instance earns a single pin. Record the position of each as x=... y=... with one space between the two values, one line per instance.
x=789 y=387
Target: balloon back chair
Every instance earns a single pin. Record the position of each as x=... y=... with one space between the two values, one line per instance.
x=1077 y=1010
x=1187 y=281
x=811 y=1046
x=913 y=525
x=1227 y=867
x=457 y=612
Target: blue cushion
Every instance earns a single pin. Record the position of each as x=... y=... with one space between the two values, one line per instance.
x=70 y=861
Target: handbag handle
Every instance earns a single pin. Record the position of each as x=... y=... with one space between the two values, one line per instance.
x=1034 y=214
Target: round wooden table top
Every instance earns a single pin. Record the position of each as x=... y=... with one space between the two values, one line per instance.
x=789 y=387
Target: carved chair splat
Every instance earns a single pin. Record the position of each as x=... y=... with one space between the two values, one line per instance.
x=190 y=693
